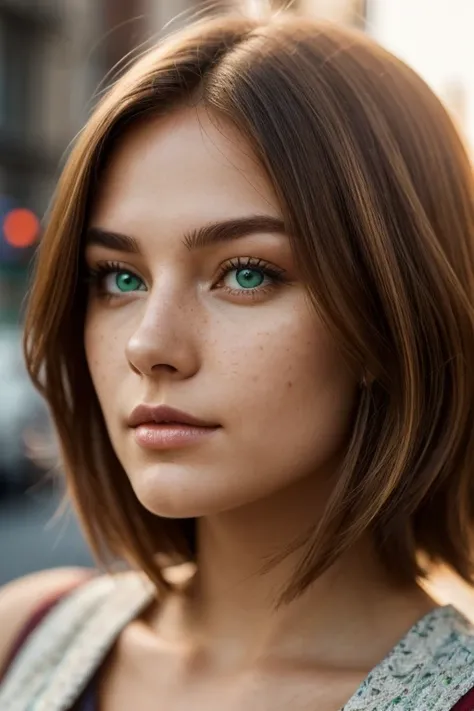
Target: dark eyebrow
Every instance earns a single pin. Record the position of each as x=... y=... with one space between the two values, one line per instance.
x=112 y=240
x=232 y=229
x=199 y=238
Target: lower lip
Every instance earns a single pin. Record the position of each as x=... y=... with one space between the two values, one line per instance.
x=171 y=436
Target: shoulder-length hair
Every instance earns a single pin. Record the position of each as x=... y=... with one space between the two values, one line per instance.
x=377 y=195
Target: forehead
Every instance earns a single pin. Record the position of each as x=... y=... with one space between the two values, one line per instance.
x=189 y=164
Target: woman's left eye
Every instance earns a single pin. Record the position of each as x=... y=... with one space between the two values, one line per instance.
x=239 y=277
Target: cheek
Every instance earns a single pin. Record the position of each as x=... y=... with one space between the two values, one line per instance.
x=291 y=391
x=294 y=359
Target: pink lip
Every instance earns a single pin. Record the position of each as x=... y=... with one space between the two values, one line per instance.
x=162 y=427
x=170 y=436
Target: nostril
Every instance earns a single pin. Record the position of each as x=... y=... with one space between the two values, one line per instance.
x=164 y=367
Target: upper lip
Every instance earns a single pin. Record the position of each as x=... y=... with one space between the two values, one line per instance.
x=159 y=414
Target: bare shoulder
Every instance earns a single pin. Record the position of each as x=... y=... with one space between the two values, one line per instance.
x=20 y=598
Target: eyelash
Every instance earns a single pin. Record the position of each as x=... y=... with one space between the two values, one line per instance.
x=96 y=275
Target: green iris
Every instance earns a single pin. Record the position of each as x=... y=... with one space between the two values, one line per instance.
x=124 y=281
x=249 y=278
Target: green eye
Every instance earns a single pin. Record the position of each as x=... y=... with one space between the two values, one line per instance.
x=249 y=278
x=125 y=281
x=109 y=279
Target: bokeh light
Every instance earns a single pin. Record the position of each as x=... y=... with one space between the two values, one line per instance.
x=21 y=228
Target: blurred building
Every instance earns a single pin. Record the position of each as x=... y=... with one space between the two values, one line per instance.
x=437 y=41
x=48 y=73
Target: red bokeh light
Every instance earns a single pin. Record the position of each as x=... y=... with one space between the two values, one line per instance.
x=21 y=228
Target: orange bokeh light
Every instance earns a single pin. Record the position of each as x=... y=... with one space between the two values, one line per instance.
x=21 y=228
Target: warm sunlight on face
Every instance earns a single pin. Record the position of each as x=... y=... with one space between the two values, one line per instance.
x=195 y=304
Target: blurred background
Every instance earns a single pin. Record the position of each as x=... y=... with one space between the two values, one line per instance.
x=55 y=56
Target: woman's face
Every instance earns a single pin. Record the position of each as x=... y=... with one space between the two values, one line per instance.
x=196 y=304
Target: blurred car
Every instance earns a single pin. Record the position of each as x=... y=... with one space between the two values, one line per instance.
x=25 y=426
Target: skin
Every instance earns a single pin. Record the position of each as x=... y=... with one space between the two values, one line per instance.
x=265 y=369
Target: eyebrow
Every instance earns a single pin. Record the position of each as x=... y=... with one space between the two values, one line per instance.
x=205 y=236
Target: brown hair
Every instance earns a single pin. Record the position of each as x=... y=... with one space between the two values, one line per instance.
x=377 y=195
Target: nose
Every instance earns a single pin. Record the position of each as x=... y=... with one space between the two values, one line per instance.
x=165 y=339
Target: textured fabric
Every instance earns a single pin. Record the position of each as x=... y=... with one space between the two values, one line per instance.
x=35 y=619
x=431 y=669
x=89 y=702
x=62 y=654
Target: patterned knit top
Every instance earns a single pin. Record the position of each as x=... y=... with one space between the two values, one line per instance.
x=55 y=669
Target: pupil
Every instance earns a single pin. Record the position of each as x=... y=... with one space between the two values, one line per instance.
x=249 y=278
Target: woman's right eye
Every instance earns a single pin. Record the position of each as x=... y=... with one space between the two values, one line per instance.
x=114 y=281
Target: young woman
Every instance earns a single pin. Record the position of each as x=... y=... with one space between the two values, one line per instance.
x=252 y=318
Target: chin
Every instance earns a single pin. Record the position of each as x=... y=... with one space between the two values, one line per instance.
x=177 y=491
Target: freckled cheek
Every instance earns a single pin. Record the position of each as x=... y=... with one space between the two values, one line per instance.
x=291 y=373
x=283 y=357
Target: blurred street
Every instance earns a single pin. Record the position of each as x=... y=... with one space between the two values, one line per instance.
x=33 y=538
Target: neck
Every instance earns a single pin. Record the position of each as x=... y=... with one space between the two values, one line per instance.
x=232 y=606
